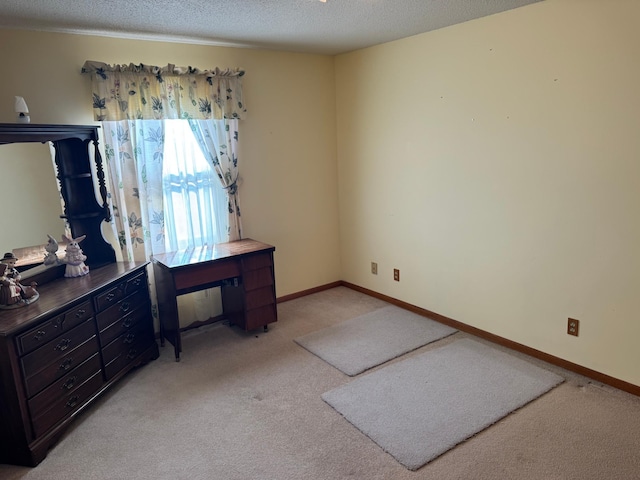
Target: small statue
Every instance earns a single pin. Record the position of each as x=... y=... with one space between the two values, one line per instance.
x=74 y=257
x=51 y=258
x=12 y=293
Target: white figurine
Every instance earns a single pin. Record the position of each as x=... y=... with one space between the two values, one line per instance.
x=74 y=257
x=51 y=258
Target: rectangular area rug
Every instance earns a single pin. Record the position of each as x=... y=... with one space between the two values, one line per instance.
x=364 y=342
x=419 y=408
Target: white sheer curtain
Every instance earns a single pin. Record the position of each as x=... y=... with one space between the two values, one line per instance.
x=165 y=195
x=195 y=201
x=218 y=140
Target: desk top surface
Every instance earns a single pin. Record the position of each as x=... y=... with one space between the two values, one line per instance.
x=210 y=253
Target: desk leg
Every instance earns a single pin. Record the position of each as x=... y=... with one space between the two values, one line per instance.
x=167 y=309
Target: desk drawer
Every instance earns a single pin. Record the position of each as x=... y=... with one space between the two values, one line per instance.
x=256 y=261
x=259 y=297
x=260 y=317
x=64 y=386
x=203 y=274
x=66 y=405
x=257 y=278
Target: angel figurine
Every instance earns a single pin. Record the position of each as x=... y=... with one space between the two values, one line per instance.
x=74 y=258
x=51 y=258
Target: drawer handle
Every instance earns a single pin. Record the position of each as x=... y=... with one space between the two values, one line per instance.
x=59 y=322
x=129 y=338
x=125 y=306
x=39 y=334
x=69 y=383
x=73 y=401
x=63 y=345
x=132 y=354
x=66 y=363
x=80 y=313
x=128 y=322
x=137 y=282
x=110 y=297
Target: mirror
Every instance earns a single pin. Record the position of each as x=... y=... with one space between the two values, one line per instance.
x=32 y=200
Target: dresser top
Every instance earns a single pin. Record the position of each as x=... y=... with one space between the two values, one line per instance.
x=61 y=294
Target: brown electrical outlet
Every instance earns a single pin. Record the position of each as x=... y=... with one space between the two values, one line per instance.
x=573 y=327
x=396 y=274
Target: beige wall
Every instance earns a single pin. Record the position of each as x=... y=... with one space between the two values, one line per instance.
x=496 y=163
x=287 y=147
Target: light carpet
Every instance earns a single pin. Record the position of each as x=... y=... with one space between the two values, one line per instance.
x=371 y=339
x=419 y=408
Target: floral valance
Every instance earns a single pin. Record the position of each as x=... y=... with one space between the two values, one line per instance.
x=122 y=92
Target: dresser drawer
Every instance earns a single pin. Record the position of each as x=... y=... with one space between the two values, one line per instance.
x=124 y=349
x=121 y=308
x=77 y=315
x=141 y=314
x=256 y=261
x=50 y=329
x=39 y=336
x=66 y=405
x=110 y=297
x=136 y=283
x=61 y=365
x=64 y=386
x=57 y=348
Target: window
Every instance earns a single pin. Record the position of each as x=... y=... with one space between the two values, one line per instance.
x=194 y=200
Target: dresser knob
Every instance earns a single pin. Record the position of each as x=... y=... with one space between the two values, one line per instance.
x=73 y=401
x=80 y=313
x=39 y=334
x=129 y=338
x=69 y=383
x=66 y=364
x=132 y=354
x=125 y=306
x=63 y=345
x=110 y=297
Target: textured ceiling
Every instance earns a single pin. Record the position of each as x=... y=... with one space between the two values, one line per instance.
x=311 y=26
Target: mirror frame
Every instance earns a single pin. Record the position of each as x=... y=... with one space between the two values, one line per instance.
x=83 y=212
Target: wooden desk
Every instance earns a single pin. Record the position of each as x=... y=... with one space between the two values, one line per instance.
x=244 y=271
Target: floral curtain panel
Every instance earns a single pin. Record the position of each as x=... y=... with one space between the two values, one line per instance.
x=133 y=102
x=133 y=153
x=123 y=92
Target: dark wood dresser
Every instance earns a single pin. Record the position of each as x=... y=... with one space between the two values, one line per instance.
x=59 y=354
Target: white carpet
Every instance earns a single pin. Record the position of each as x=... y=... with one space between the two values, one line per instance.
x=369 y=340
x=419 y=408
